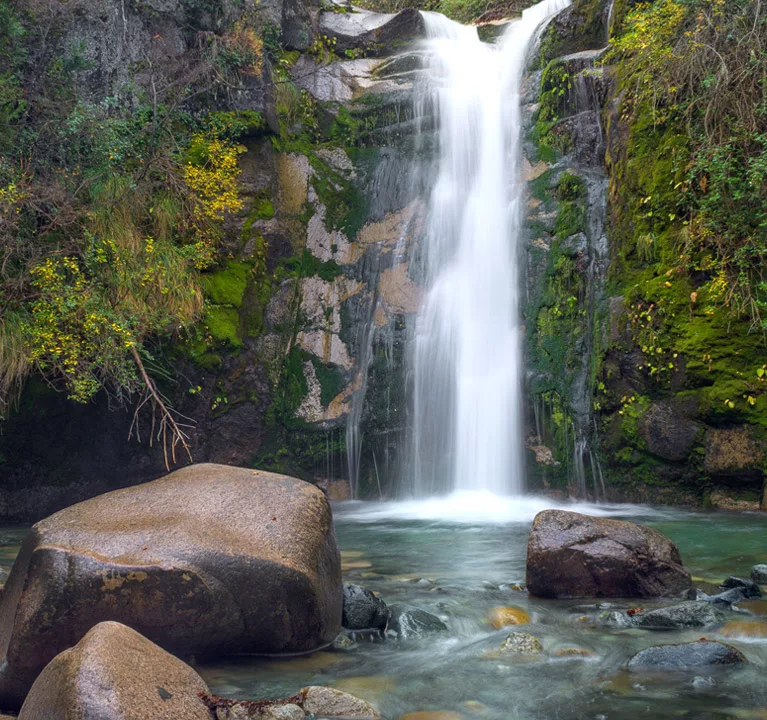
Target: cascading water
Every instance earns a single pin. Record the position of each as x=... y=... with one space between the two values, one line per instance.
x=467 y=357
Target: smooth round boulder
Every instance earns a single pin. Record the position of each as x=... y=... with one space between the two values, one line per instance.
x=207 y=560
x=684 y=656
x=570 y=555
x=114 y=673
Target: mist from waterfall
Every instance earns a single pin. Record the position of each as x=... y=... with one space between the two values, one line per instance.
x=467 y=350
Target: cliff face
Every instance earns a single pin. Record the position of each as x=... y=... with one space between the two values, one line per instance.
x=645 y=379
x=653 y=321
x=306 y=304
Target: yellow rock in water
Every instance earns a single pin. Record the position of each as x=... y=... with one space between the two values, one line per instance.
x=432 y=715
x=757 y=607
x=744 y=629
x=500 y=617
x=371 y=688
x=573 y=652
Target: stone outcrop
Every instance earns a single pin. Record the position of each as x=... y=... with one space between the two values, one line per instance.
x=376 y=33
x=114 y=673
x=570 y=555
x=208 y=559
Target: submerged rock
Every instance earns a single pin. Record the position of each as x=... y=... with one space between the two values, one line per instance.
x=114 y=673
x=329 y=702
x=752 y=629
x=409 y=622
x=759 y=574
x=362 y=610
x=686 y=655
x=570 y=555
x=691 y=614
x=500 y=617
x=208 y=559
x=521 y=643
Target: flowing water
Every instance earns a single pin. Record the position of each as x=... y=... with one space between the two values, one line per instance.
x=467 y=348
x=458 y=562
x=422 y=554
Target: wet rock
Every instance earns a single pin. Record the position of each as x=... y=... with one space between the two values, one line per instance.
x=727 y=598
x=668 y=431
x=329 y=702
x=521 y=643
x=500 y=617
x=733 y=452
x=116 y=674
x=574 y=652
x=615 y=619
x=375 y=33
x=409 y=622
x=363 y=610
x=570 y=555
x=246 y=711
x=759 y=574
x=686 y=655
x=691 y=614
x=344 y=641
x=174 y=559
x=749 y=588
x=432 y=715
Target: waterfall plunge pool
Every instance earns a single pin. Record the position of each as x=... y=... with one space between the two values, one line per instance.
x=449 y=557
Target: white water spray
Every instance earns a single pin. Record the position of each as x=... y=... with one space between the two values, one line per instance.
x=467 y=354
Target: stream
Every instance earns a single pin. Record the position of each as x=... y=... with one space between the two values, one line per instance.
x=456 y=558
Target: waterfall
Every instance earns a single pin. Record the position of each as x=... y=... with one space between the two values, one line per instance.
x=467 y=356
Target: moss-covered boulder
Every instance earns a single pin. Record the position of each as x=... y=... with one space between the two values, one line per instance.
x=209 y=559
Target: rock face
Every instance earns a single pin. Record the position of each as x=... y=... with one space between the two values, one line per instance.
x=208 y=559
x=376 y=33
x=686 y=655
x=114 y=673
x=363 y=610
x=570 y=555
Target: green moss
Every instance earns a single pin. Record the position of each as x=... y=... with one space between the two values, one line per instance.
x=571 y=220
x=264 y=209
x=570 y=187
x=346 y=207
x=223 y=324
x=331 y=378
x=227 y=287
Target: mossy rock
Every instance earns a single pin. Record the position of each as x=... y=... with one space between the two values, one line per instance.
x=227 y=286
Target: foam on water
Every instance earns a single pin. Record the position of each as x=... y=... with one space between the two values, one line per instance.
x=480 y=507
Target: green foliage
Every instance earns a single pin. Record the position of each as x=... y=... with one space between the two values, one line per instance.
x=571 y=220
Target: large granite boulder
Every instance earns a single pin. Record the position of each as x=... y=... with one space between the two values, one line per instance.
x=114 y=673
x=570 y=555
x=209 y=559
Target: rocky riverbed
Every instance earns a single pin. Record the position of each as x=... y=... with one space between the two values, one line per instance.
x=438 y=619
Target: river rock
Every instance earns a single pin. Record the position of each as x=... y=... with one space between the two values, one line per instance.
x=500 y=617
x=692 y=614
x=521 y=643
x=759 y=574
x=749 y=588
x=686 y=655
x=209 y=559
x=362 y=610
x=247 y=711
x=329 y=702
x=570 y=555
x=409 y=622
x=114 y=673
